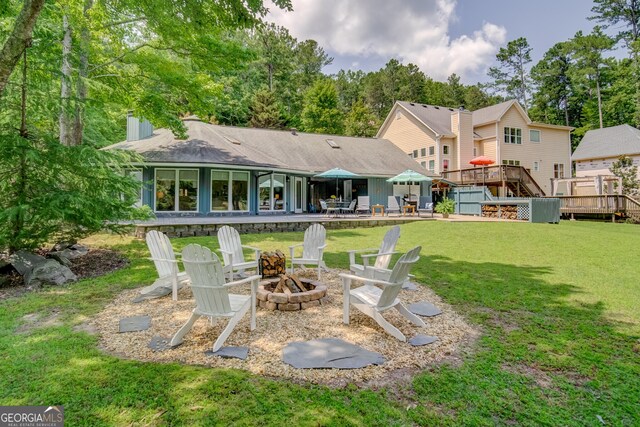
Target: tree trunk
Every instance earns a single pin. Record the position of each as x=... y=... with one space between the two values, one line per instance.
x=65 y=85
x=599 y=100
x=83 y=72
x=566 y=112
x=19 y=39
x=270 y=67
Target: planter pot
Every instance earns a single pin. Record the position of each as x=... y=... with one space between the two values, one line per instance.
x=445 y=215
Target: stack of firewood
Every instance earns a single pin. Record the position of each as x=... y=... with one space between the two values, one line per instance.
x=272 y=264
x=505 y=212
x=290 y=284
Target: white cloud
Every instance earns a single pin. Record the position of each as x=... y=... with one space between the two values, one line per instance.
x=414 y=31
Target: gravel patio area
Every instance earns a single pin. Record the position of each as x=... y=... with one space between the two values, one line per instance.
x=275 y=329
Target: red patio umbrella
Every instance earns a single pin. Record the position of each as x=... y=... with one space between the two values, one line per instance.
x=481 y=161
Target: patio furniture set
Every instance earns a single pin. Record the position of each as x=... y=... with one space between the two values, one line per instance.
x=362 y=206
x=211 y=280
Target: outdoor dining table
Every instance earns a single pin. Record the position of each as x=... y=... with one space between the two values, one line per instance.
x=338 y=205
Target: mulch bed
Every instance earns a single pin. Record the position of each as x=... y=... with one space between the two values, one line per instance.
x=97 y=262
x=275 y=329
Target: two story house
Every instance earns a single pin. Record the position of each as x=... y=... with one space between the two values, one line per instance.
x=445 y=139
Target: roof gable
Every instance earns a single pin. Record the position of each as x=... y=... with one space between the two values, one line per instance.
x=613 y=141
x=435 y=118
x=494 y=113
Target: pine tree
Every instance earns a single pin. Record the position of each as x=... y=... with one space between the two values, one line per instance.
x=321 y=113
x=511 y=76
x=265 y=111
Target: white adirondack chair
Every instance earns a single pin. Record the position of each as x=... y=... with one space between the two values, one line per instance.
x=382 y=256
x=373 y=300
x=169 y=276
x=211 y=294
x=232 y=254
x=392 y=205
x=312 y=249
x=363 y=205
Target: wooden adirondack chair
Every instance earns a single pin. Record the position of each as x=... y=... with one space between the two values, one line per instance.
x=392 y=205
x=363 y=204
x=211 y=294
x=312 y=249
x=169 y=276
x=232 y=254
x=382 y=256
x=373 y=300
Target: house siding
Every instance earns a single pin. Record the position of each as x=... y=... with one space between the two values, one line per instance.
x=554 y=147
x=408 y=134
x=601 y=166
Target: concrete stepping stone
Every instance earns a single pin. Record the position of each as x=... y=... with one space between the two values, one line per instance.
x=159 y=343
x=410 y=286
x=329 y=353
x=424 y=308
x=155 y=293
x=135 y=324
x=230 y=352
x=419 y=340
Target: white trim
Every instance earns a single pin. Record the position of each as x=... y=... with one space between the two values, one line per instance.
x=176 y=190
x=299 y=179
x=229 y=192
x=271 y=198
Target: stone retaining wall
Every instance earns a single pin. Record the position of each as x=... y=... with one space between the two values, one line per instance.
x=191 y=230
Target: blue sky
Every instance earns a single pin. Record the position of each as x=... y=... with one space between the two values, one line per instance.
x=440 y=36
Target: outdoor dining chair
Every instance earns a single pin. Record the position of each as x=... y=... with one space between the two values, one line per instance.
x=393 y=205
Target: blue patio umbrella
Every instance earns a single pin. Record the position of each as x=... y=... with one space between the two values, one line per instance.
x=337 y=173
x=410 y=176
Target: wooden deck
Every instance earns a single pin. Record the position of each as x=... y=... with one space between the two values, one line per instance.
x=516 y=178
x=612 y=205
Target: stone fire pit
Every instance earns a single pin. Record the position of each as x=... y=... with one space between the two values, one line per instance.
x=293 y=301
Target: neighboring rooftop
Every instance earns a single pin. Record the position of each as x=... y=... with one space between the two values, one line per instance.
x=263 y=148
x=613 y=141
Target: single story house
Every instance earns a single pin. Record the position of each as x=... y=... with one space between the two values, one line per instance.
x=445 y=139
x=223 y=170
x=600 y=148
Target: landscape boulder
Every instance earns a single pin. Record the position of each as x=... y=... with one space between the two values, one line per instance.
x=24 y=261
x=72 y=252
x=49 y=272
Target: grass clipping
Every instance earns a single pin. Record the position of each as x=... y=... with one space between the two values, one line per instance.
x=275 y=329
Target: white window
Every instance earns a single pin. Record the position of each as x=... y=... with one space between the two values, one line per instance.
x=511 y=162
x=534 y=135
x=176 y=190
x=272 y=192
x=423 y=164
x=475 y=151
x=512 y=135
x=432 y=165
x=229 y=191
x=445 y=149
x=536 y=166
x=423 y=152
x=415 y=154
x=432 y=150
x=558 y=170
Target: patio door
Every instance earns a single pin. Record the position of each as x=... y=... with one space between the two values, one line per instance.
x=348 y=184
x=298 y=196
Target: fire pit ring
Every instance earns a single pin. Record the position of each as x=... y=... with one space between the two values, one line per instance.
x=270 y=300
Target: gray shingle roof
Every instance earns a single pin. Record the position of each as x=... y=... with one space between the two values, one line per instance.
x=492 y=113
x=438 y=119
x=608 y=142
x=271 y=149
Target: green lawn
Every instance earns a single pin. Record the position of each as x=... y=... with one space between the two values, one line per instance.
x=558 y=306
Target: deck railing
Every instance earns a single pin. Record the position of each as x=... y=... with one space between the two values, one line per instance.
x=494 y=175
x=599 y=204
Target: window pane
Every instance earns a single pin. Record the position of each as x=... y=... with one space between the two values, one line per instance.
x=240 y=191
x=188 y=190
x=432 y=164
x=415 y=153
x=278 y=192
x=423 y=152
x=431 y=150
x=219 y=191
x=265 y=192
x=534 y=135
x=165 y=190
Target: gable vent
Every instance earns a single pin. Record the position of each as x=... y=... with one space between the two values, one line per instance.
x=332 y=143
